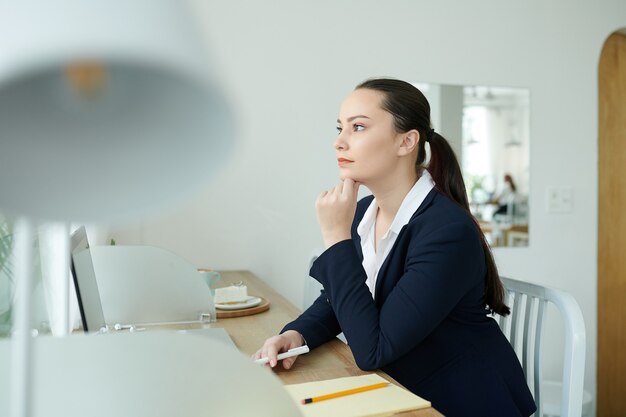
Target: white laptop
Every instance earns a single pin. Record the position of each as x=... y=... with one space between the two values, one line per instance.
x=85 y=284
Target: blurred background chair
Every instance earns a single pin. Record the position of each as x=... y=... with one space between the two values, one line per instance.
x=523 y=327
x=312 y=288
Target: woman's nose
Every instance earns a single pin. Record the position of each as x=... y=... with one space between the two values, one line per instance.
x=340 y=143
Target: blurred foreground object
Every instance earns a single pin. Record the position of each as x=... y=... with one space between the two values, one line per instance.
x=107 y=109
x=156 y=374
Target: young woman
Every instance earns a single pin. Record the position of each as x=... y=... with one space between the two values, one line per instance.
x=407 y=274
x=504 y=197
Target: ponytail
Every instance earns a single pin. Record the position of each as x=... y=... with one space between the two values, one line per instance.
x=446 y=173
x=445 y=170
x=411 y=110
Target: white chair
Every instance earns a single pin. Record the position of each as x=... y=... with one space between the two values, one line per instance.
x=312 y=288
x=516 y=238
x=523 y=327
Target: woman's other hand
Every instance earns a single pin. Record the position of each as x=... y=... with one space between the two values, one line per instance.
x=335 y=211
x=278 y=344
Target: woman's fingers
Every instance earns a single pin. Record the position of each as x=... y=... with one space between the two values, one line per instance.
x=335 y=210
x=330 y=196
x=276 y=344
x=350 y=189
x=257 y=354
x=346 y=186
x=272 y=353
x=288 y=362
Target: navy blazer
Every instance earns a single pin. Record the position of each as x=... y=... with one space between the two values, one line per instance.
x=427 y=326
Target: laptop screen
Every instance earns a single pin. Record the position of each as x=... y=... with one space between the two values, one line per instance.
x=85 y=283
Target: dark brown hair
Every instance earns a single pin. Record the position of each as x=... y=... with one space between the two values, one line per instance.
x=508 y=178
x=411 y=110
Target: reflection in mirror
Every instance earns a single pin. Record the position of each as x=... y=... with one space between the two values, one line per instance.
x=488 y=127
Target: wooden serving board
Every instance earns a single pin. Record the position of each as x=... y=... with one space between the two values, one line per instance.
x=226 y=314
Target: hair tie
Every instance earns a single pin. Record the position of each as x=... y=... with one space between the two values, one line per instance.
x=429 y=135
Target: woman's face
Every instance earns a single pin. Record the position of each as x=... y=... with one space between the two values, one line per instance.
x=367 y=142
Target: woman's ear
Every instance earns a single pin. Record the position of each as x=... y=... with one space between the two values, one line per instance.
x=410 y=140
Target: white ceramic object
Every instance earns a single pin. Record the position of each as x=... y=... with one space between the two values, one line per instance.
x=249 y=303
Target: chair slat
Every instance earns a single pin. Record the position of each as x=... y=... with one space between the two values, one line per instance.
x=515 y=319
x=504 y=321
x=526 y=339
x=537 y=298
x=538 y=356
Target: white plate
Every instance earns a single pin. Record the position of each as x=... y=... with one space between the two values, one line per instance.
x=250 y=302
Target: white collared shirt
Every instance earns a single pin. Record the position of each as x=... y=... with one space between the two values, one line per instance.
x=372 y=258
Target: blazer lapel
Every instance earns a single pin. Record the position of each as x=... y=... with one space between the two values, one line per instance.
x=385 y=266
x=360 y=212
x=357 y=244
x=425 y=204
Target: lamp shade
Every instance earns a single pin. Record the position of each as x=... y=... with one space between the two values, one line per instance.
x=107 y=109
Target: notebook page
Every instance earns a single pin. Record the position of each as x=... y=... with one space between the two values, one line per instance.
x=377 y=402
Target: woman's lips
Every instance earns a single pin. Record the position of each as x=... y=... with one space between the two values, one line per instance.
x=343 y=161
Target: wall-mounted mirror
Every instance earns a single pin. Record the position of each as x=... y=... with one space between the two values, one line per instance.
x=488 y=127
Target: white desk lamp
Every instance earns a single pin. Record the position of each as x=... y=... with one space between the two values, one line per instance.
x=107 y=110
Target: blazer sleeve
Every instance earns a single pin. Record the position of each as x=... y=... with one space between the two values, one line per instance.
x=317 y=324
x=440 y=268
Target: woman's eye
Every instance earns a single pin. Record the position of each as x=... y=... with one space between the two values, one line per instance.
x=339 y=129
x=358 y=128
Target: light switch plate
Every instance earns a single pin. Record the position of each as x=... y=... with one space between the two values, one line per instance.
x=560 y=199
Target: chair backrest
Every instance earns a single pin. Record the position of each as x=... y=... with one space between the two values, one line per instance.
x=312 y=288
x=523 y=327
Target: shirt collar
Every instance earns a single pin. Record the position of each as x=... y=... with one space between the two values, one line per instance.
x=409 y=206
x=412 y=201
x=367 y=221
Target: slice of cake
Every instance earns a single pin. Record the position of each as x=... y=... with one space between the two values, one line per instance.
x=231 y=295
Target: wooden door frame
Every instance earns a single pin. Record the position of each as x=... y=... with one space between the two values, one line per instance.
x=611 y=338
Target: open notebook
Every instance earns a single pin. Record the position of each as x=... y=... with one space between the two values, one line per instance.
x=378 y=402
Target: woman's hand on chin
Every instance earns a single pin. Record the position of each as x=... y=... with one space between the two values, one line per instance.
x=335 y=210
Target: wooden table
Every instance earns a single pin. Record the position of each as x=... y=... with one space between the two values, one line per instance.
x=331 y=360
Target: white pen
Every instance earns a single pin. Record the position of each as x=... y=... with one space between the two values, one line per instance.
x=291 y=352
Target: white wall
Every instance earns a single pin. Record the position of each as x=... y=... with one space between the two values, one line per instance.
x=288 y=64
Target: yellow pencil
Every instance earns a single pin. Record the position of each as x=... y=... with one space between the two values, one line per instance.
x=342 y=393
